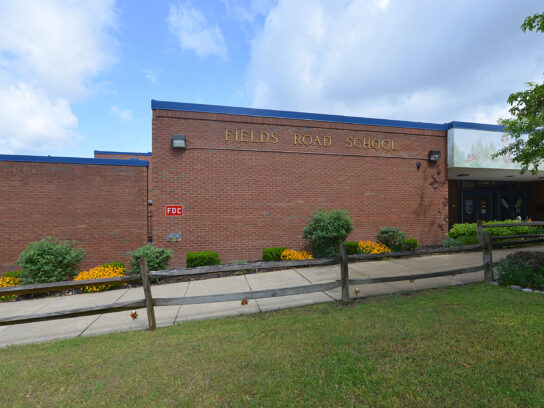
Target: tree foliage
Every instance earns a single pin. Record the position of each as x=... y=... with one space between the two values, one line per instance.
x=526 y=127
x=534 y=23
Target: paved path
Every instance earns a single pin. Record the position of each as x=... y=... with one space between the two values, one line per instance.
x=169 y=315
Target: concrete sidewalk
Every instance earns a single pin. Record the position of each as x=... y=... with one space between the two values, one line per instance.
x=170 y=315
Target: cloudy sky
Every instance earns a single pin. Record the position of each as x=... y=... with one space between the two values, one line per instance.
x=79 y=75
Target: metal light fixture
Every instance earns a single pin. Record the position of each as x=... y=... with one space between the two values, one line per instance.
x=179 y=142
x=434 y=155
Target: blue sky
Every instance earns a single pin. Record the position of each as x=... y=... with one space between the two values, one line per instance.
x=76 y=76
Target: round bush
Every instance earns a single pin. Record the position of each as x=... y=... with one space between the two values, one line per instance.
x=326 y=231
x=48 y=261
x=391 y=237
x=157 y=258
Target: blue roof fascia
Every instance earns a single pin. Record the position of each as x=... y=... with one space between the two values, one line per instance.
x=131 y=153
x=195 y=107
x=476 y=126
x=73 y=160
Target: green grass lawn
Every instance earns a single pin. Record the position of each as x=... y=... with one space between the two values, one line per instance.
x=476 y=345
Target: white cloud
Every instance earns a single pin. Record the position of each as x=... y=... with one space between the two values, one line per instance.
x=193 y=32
x=50 y=51
x=247 y=12
x=151 y=76
x=422 y=61
x=31 y=122
x=123 y=114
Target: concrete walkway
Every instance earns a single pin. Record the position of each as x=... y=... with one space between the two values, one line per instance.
x=170 y=315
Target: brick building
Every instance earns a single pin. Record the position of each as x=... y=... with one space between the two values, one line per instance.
x=99 y=203
x=250 y=178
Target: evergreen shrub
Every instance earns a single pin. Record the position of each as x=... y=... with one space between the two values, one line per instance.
x=202 y=258
x=157 y=258
x=351 y=247
x=391 y=237
x=49 y=261
x=409 y=244
x=326 y=231
x=273 y=254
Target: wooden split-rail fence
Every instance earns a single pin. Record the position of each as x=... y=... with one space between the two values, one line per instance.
x=485 y=244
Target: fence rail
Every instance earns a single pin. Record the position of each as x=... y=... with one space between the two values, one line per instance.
x=485 y=245
x=65 y=285
x=242 y=267
x=524 y=238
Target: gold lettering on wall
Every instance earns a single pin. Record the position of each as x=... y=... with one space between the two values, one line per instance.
x=255 y=136
x=312 y=140
x=368 y=143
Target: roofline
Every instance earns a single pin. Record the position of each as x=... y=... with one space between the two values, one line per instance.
x=126 y=153
x=73 y=160
x=476 y=126
x=230 y=110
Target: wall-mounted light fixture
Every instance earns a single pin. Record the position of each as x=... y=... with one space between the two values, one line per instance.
x=179 y=142
x=418 y=165
x=434 y=155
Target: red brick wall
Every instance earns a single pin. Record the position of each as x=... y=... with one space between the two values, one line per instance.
x=101 y=207
x=128 y=156
x=238 y=200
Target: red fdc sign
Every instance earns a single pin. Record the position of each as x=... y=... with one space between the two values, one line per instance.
x=171 y=210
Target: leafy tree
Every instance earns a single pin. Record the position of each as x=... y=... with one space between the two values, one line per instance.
x=527 y=125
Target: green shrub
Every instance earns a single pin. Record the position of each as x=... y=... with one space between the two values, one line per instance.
x=351 y=247
x=461 y=230
x=114 y=265
x=536 y=258
x=157 y=258
x=466 y=232
x=273 y=254
x=326 y=231
x=202 y=258
x=13 y=274
x=409 y=244
x=48 y=261
x=468 y=239
x=391 y=237
x=451 y=242
x=522 y=268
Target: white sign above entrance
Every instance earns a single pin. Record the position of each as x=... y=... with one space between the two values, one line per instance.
x=473 y=148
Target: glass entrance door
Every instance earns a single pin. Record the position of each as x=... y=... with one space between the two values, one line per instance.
x=484 y=206
x=468 y=206
x=492 y=200
x=476 y=205
x=512 y=205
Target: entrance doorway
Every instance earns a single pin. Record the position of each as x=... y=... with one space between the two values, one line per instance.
x=491 y=200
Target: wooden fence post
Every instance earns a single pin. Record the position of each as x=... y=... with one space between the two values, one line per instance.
x=147 y=294
x=487 y=256
x=344 y=274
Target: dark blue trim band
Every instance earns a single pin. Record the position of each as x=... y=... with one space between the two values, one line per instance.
x=476 y=126
x=131 y=153
x=195 y=107
x=73 y=160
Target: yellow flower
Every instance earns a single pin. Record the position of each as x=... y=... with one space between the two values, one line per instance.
x=292 y=255
x=370 y=247
x=8 y=281
x=100 y=272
